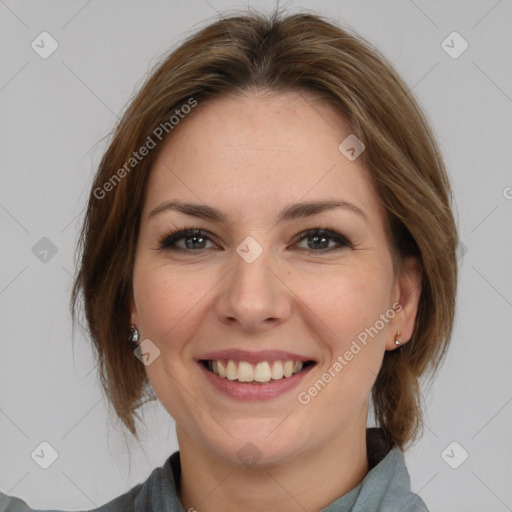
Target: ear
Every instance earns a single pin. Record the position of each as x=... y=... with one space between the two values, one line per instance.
x=406 y=293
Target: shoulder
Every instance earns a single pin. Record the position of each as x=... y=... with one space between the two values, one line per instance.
x=388 y=478
x=10 y=504
x=123 y=503
x=398 y=492
x=157 y=490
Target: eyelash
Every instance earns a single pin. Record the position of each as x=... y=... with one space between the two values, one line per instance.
x=168 y=240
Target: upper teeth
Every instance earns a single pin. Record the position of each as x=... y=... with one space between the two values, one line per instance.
x=260 y=372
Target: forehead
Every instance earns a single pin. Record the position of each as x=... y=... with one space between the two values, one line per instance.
x=252 y=153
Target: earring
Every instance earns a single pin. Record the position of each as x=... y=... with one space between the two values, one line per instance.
x=397 y=335
x=134 y=336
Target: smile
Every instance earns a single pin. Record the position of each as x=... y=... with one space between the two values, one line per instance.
x=259 y=373
x=239 y=381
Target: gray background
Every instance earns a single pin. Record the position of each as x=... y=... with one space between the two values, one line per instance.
x=54 y=115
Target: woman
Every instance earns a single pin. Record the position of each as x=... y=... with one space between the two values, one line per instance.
x=269 y=244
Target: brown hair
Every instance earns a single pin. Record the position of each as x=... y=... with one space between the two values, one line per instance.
x=300 y=52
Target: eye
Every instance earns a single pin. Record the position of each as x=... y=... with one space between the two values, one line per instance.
x=196 y=238
x=321 y=237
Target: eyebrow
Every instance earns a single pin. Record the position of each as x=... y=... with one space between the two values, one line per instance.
x=291 y=212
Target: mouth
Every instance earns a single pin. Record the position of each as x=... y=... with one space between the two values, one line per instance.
x=260 y=373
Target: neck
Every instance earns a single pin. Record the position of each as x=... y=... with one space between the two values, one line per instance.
x=310 y=481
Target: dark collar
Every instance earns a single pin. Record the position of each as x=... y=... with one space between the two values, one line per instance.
x=378 y=445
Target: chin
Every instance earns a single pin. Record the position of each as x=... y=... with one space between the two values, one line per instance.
x=254 y=444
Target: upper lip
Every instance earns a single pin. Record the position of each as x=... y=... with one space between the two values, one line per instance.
x=253 y=357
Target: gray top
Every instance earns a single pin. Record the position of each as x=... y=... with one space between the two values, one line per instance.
x=386 y=487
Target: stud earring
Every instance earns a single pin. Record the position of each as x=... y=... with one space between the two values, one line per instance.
x=134 y=335
x=397 y=335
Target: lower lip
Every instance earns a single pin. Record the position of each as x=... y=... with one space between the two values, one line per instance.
x=247 y=391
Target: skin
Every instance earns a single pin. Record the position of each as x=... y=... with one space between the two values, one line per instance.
x=251 y=155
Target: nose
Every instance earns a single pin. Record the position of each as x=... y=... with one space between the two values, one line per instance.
x=254 y=295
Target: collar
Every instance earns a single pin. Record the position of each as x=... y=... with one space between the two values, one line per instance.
x=385 y=488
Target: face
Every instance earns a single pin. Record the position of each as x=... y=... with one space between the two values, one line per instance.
x=261 y=284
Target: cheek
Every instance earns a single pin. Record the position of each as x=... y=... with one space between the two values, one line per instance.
x=165 y=297
x=346 y=300
x=348 y=304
